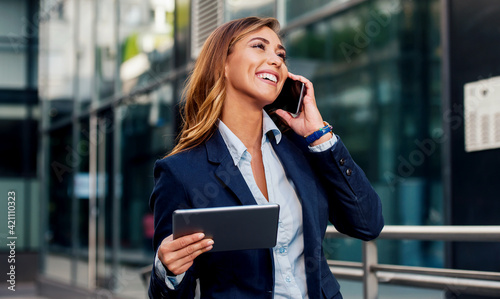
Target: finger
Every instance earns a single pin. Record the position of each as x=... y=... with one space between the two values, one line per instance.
x=181 y=265
x=191 y=249
x=170 y=238
x=163 y=248
x=171 y=257
x=194 y=254
x=299 y=78
x=309 y=86
x=183 y=242
x=285 y=116
x=309 y=91
x=296 y=77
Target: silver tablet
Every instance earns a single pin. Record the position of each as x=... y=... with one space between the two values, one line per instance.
x=231 y=228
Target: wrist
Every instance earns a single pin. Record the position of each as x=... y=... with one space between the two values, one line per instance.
x=323 y=139
x=320 y=135
x=314 y=127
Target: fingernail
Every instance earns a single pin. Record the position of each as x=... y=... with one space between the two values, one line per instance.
x=201 y=236
x=210 y=242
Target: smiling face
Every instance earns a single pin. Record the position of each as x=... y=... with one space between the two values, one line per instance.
x=255 y=69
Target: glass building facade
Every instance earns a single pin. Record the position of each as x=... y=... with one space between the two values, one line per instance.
x=110 y=77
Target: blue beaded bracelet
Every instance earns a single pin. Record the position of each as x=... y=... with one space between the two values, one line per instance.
x=319 y=133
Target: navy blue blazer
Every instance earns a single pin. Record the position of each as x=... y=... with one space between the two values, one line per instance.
x=331 y=188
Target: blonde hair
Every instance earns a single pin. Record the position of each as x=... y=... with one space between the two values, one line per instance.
x=205 y=91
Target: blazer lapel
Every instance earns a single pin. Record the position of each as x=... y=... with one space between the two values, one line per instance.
x=228 y=175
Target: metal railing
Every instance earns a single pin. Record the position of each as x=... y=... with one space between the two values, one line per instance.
x=458 y=281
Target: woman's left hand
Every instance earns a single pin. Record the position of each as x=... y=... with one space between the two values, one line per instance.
x=309 y=119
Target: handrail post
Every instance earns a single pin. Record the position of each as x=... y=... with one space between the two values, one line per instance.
x=370 y=282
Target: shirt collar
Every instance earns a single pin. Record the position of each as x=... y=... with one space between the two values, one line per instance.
x=236 y=148
x=269 y=125
x=234 y=145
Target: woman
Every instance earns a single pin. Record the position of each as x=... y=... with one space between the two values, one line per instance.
x=231 y=153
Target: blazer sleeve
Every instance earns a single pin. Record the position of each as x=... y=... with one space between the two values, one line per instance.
x=354 y=207
x=167 y=196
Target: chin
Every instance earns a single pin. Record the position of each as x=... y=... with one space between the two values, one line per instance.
x=268 y=103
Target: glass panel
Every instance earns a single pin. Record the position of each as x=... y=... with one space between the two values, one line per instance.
x=235 y=9
x=20 y=137
x=85 y=67
x=57 y=59
x=162 y=120
x=82 y=194
x=137 y=165
x=182 y=21
x=15 y=62
x=146 y=38
x=150 y=124
x=106 y=48
x=59 y=205
x=297 y=8
x=15 y=31
x=18 y=175
x=11 y=19
x=68 y=206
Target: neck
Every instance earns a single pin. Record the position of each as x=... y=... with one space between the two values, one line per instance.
x=245 y=121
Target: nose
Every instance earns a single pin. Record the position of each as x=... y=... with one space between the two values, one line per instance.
x=274 y=59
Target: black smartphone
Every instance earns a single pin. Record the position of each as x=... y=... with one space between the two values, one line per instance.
x=290 y=98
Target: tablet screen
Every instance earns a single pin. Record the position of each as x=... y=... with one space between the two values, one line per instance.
x=231 y=228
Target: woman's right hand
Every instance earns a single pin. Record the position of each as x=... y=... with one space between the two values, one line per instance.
x=178 y=255
x=309 y=120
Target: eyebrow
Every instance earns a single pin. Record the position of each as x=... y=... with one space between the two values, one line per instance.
x=280 y=46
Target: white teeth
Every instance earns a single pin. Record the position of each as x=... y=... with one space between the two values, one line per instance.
x=268 y=76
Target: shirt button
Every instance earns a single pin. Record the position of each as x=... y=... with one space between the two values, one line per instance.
x=342 y=161
x=288 y=279
x=348 y=172
x=282 y=250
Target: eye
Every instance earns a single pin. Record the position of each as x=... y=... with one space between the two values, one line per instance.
x=259 y=45
x=282 y=55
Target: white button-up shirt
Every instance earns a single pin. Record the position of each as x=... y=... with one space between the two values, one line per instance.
x=289 y=266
